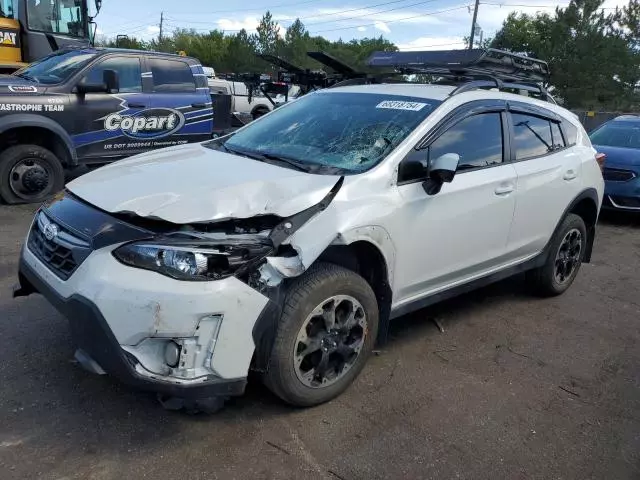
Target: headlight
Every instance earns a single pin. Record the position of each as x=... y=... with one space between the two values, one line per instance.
x=195 y=259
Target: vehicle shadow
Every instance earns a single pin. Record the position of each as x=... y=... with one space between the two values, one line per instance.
x=64 y=407
x=619 y=219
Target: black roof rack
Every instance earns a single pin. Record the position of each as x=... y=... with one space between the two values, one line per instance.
x=470 y=69
x=465 y=64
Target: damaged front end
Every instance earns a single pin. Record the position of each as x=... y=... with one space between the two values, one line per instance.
x=253 y=250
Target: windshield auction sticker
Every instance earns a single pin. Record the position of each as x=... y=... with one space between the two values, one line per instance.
x=399 y=105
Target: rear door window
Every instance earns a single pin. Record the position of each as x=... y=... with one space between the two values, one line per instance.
x=171 y=76
x=533 y=136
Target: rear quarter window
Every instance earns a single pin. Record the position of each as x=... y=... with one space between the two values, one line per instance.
x=570 y=133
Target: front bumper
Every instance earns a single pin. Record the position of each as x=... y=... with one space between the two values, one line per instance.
x=121 y=317
x=622 y=195
x=94 y=338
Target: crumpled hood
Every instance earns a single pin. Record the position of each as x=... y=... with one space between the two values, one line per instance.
x=191 y=183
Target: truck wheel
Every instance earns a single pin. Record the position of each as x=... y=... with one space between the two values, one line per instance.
x=29 y=174
x=325 y=336
x=565 y=257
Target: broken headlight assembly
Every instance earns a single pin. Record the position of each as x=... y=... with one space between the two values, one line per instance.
x=195 y=259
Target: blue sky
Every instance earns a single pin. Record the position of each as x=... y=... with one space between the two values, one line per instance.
x=410 y=24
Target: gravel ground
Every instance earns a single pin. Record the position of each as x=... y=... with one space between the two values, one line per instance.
x=515 y=387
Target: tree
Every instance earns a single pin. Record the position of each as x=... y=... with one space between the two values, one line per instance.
x=267 y=35
x=241 y=54
x=593 y=62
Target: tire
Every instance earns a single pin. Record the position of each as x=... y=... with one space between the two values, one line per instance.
x=545 y=280
x=29 y=174
x=306 y=294
x=259 y=112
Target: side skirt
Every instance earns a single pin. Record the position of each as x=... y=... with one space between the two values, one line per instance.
x=468 y=287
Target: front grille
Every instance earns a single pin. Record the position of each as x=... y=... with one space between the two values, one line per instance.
x=618 y=175
x=56 y=246
x=625 y=202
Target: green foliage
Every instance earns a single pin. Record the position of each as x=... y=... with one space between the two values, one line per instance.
x=592 y=56
x=237 y=53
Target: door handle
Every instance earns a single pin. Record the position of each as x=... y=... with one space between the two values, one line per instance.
x=504 y=189
x=198 y=105
x=136 y=105
x=569 y=175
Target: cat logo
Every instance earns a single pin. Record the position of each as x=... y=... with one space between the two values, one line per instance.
x=8 y=38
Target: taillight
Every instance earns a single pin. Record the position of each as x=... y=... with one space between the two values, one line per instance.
x=600 y=158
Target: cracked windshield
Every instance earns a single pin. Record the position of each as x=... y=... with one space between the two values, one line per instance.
x=346 y=131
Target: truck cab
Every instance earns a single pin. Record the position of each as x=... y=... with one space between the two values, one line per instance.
x=31 y=29
x=94 y=106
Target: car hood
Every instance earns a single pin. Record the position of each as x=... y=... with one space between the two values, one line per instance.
x=619 y=156
x=192 y=183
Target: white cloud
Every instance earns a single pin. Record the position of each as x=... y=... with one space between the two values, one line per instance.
x=348 y=16
x=153 y=29
x=362 y=29
x=249 y=24
x=432 y=43
x=383 y=27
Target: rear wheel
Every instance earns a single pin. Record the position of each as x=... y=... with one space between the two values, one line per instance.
x=325 y=336
x=29 y=174
x=565 y=258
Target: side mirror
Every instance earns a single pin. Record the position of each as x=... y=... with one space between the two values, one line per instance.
x=441 y=170
x=109 y=84
x=111 y=80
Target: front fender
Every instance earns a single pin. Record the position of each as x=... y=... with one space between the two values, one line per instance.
x=26 y=120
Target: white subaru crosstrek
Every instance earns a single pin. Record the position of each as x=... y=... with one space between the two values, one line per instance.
x=287 y=246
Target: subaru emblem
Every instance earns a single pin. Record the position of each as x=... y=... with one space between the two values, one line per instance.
x=50 y=231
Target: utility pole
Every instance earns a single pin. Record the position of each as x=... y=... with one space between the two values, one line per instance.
x=473 y=24
x=161 y=22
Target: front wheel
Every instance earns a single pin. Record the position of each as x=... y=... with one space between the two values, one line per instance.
x=567 y=251
x=29 y=174
x=325 y=336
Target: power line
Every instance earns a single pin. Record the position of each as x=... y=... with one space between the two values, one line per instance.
x=427 y=14
x=370 y=13
x=260 y=9
x=338 y=12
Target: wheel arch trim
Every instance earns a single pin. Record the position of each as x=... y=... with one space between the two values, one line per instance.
x=29 y=120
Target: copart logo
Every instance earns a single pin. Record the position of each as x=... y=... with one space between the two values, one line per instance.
x=150 y=123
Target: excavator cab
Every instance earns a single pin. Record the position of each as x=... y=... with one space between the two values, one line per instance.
x=31 y=29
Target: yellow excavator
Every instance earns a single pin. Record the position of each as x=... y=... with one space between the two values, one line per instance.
x=31 y=29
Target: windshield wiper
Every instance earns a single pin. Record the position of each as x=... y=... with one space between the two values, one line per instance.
x=26 y=77
x=301 y=166
x=260 y=156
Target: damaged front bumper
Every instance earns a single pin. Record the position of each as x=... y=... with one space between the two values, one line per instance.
x=120 y=327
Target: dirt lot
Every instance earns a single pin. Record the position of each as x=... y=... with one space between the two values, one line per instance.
x=514 y=388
